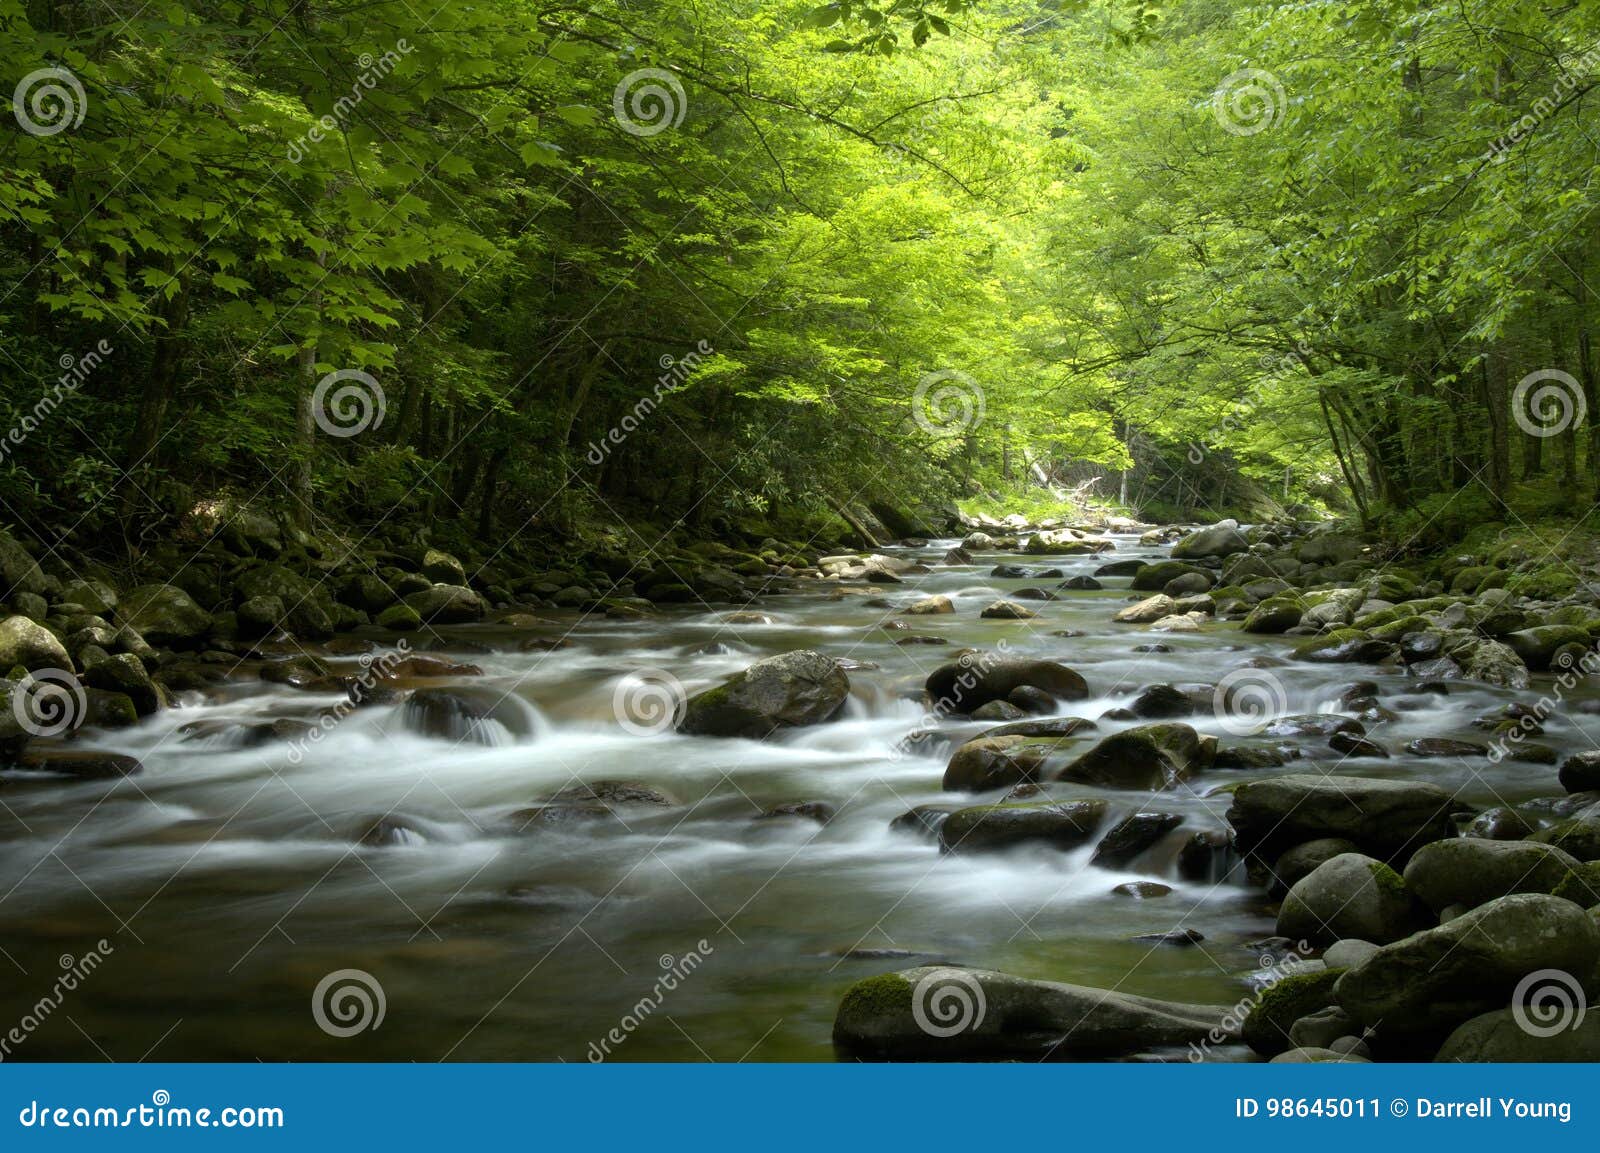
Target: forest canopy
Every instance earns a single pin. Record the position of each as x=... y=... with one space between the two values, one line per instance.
x=514 y=266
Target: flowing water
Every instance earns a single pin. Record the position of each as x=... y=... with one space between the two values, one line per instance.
x=229 y=882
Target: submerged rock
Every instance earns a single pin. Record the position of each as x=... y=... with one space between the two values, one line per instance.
x=951 y=1014
x=1059 y=824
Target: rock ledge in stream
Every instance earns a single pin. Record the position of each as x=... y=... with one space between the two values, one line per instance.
x=1386 y=819
x=781 y=692
x=945 y=1013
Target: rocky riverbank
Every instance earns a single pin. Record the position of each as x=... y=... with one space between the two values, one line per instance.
x=1409 y=921
x=1427 y=928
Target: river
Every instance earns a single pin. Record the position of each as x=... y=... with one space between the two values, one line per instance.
x=229 y=882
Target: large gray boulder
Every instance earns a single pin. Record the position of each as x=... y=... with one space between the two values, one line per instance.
x=29 y=644
x=978 y=678
x=1387 y=819
x=19 y=572
x=447 y=604
x=1559 y=1033
x=1221 y=539
x=781 y=692
x=1146 y=757
x=1351 y=895
x=1471 y=870
x=1434 y=980
x=1329 y=548
x=165 y=615
x=953 y=1013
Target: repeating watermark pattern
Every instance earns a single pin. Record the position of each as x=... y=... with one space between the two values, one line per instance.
x=1547 y=1002
x=372 y=71
x=75 y=370
x=675 y=374
x=1570 y=673
x=48 y=101
x=76 y=969
x=675 y=971
x=649 y=702
x=353 y=407
x=649 y=101
x=374 y=668
x=1548 y=402
x=1276 y=366
x=1277 y=967
x=347 y=1002
x=947 y=403
x=1249 y=101
x=947 y=1002
x=49 y=702
x=1246 y=699
x=1573 y=71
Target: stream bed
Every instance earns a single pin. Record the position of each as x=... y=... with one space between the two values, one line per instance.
x=229 y=882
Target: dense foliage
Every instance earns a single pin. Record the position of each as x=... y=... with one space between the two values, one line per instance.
x=740 y=259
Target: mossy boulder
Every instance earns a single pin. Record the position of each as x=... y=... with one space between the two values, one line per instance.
x=1503 y=1036
x=1147 y=757
x=1276 y=614
x=1350 y=895
x=165 y=615
x=1156 y=576
x=1388 y=819
x=1577 y=836
x=1471 y=871
x=990 y=762
x=1434 y=980
x=1538 y=645
x=782 y=692
x=1280 y=1005
x=447 y=605
x=26 y=644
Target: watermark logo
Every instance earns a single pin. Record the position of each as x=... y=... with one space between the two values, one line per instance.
x=649 y=702
x=649 y=101
x=1548 y=402
x=1547 y=1002
x=675 y=374
x=353 y=407
x=374 y=669
x=373 y=69
x=1246 y=699
x=1276 y=968
x=1574 y=70
x=49 y=702
x=1249 y=101
x=347 y=1002
x=947 y=403
x=674 y=971
x=947 y=1002
x=74 y=971
x=48 y=101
